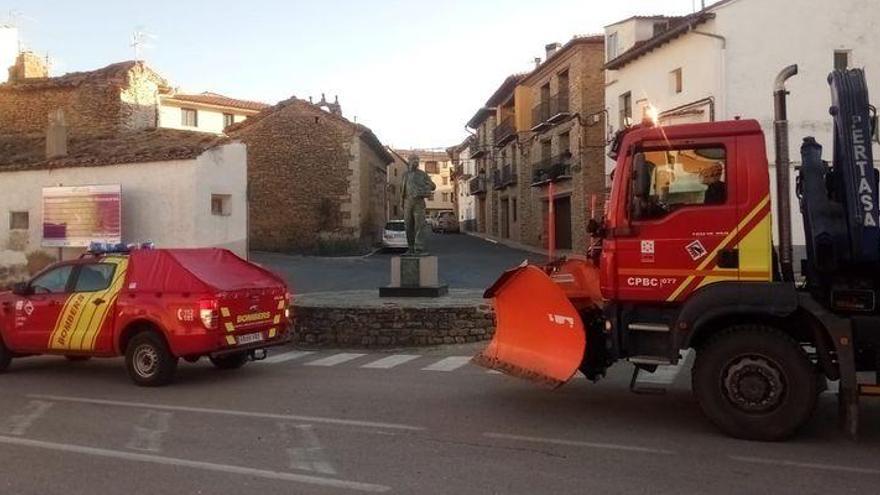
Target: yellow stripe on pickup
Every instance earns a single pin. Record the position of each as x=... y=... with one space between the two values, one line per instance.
x=225 y=312
x=230 y=340
x=281 y=304
x=230 y=327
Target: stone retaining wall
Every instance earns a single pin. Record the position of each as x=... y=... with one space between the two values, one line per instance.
x=359 y=319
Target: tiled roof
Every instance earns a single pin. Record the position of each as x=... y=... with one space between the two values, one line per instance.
x=215 y=99
x=677 y=27
x=28 y=152
x=111 y=74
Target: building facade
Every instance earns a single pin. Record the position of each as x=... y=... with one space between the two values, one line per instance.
x=720 y=64
x=465 y=169
x=317 y=180
x=205 y=112
x=395 y=172
x=540 y=138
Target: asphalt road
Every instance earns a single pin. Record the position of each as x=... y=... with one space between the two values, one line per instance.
x=465 y=263
x=418 y=421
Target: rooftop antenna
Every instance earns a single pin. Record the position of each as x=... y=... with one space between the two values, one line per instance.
x=140 y=40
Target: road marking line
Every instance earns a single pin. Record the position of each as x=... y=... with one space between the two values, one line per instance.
x=342 y=357
x=391 y=361
x=449 y=364
x=287 y=356
x=309 y=457
x=227 y=412
x=574 y=443
x=18 y=424
x=205 y=466
x=805 y=465
x=148 y=432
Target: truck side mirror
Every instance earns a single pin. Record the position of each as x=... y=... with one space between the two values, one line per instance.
x=22 y=289
x=642 y=171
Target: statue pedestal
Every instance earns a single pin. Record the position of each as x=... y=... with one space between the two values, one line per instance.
x=414 y=276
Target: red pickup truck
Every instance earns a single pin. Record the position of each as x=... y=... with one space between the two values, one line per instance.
x=153 y=306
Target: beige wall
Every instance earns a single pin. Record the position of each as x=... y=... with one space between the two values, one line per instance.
x=209 y=119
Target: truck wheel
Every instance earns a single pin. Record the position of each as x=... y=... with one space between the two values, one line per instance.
x=5 y=357
x=230 y=362
x=755 y=382
x=148 y=360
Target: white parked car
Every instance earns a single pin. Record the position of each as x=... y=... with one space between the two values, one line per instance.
x=394 y=235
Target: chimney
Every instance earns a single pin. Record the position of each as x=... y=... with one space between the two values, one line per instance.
x=552 y=48
x=537 y=62
x=56 y=135
x=28 y=65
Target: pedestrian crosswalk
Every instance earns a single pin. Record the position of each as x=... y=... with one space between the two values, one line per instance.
x=375 y=361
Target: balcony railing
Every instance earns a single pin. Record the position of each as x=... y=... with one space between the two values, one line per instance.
x=477 y=185
x=505 y=131
x=550 y=111
x=508 y=176
x=497 y=183
x=552 y=169
x=480 y=145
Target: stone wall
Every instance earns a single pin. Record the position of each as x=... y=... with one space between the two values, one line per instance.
x=121 y=97
x=360 y=319
x=300 y=176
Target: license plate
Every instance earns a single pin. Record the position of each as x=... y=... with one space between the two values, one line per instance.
x=250 y=338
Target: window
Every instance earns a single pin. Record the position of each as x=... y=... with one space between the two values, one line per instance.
x=612 y=46
x=189 y=117
x=513 y=209
x=546 y=152
x=675 y=81
x=445 y=181
x=395 y=171
x=221 y=204
x=841 y=59
x=564 y=143
x=679 y=178
x=446 y=197
x=562 y=80
x=94 y=277
x=53 y=281
x=432 y=167
x=228 y=120
x=660 y=28
x=19 y=220
x=626 y=110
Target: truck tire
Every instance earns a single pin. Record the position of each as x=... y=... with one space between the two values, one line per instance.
x=230 y=362
x=755 y=382
x=148 y=360
x=5 y=357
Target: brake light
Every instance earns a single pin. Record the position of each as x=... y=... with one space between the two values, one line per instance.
x=209 y=313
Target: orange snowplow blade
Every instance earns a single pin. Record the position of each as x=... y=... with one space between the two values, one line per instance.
x=539 y=334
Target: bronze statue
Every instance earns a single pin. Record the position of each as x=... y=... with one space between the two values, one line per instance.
x=417 y=185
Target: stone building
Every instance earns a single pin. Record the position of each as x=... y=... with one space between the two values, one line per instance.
x=566 y=142
x=317 y=180
x=120 y=97
x=395 y=172
x=543 y=130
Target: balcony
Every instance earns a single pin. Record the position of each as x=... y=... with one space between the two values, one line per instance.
x=552 y=169
x=497 y=183
x=508 y=176
x=477 y=185
x=505 y=131
x=550 y=112
x=479 y=147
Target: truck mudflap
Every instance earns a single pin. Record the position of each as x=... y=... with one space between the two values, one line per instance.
x=539 y=334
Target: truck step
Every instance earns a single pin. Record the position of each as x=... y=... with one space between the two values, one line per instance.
x=651 y=360
x=649 y=327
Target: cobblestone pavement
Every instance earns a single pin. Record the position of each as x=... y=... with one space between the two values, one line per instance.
x=465 y=263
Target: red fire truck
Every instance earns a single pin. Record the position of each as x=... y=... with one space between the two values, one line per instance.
x=153 y=306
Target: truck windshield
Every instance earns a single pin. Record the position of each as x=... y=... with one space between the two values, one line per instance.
x=682 y=177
